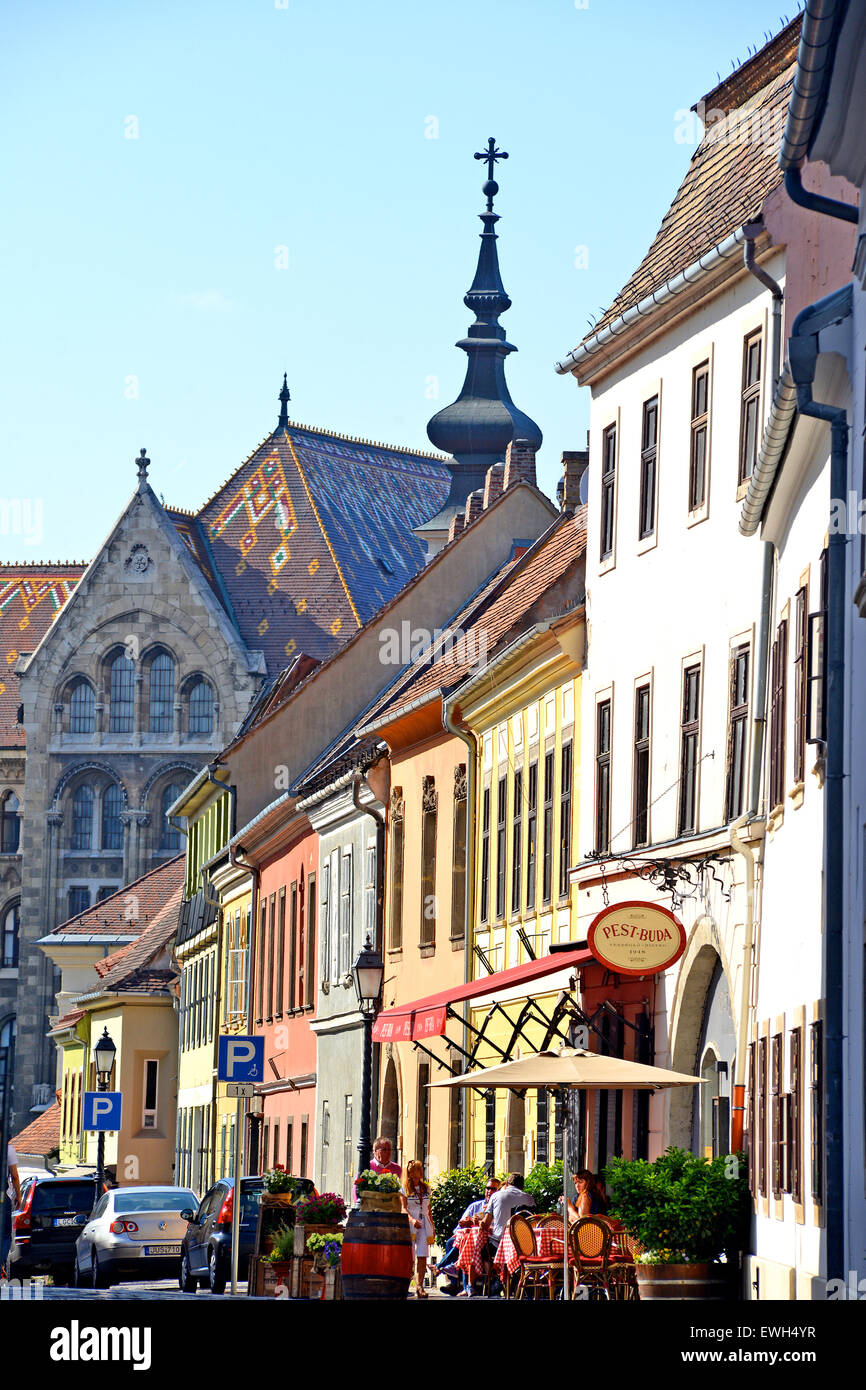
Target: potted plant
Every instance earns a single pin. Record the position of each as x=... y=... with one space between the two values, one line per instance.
x=326 y=1251
x=324 y=1212
x=690 y=1216
x=378 y=1191
x=280 y=1187
x=280 y=1255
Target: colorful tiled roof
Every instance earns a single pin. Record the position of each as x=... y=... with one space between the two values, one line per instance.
x=730 y=174
x=42 y=1135
x=313 y=534
x=132 y=908
x=31 y=596
x=67 y=1020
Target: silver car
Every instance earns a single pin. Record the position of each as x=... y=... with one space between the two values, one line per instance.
x=133 y=1233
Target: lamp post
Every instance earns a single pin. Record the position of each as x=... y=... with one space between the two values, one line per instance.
x=368 y=971
x=255 y=1115
x=103 y=1055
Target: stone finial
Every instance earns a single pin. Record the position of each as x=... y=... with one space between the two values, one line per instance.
x=458 y=521
x=143 y=463
x=493 y=484
x=474 y=506
x=519 y=463
x=574 y=464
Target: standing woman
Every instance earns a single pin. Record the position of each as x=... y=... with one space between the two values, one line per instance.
x=416 y=1204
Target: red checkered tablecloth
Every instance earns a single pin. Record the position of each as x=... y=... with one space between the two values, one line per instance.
x=548 y=1239
x=470 y=1242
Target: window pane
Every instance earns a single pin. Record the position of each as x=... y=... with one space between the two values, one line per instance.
x=162 y=694
x=201 y=709
x=170 y=838
x=112 y=827
x=122 y=694
x=82 y=818
x=82 y=715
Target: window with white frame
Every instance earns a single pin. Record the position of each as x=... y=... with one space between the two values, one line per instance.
x=150 y=1093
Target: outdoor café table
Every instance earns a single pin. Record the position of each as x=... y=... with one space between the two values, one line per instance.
x=471 y=1241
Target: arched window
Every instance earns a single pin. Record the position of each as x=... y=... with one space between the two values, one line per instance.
x=112 y=826
x=170 y=835
x=9 y=926
x=10 y=824
x=161 y=694
x=122 y=687
x=7 y=1057
x=82 y=817
x=82 y=708
x=201 y=708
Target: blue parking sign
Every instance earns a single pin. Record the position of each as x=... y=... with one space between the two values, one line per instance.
x=102 y=1110
x=240 y=1058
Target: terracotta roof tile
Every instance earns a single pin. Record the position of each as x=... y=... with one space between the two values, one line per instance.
x=42 y=1135
x=730 y=174
x=121 y=914
x=124 y=965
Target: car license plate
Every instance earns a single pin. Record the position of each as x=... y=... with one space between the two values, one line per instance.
x=162 y=1250
x=67 y=1221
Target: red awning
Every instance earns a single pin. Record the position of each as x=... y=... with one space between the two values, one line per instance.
x=426 y=1018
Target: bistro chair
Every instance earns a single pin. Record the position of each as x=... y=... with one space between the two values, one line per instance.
x=621 y=1271
x=535 y=1269
x=590 y=1240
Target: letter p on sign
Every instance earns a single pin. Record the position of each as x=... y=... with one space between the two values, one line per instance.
x=240 y=1059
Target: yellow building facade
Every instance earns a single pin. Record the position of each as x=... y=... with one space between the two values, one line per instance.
x=524 y=711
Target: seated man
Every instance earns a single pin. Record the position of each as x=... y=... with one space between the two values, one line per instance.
x=447 y=1264
x=505 y=1202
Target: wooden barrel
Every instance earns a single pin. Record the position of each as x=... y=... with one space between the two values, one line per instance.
x=377 y=1257
x=684 y=1282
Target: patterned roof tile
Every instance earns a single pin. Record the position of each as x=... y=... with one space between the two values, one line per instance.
x=31 y=596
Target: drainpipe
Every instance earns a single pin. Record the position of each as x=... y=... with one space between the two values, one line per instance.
x=371 y=1103
x=738 y=1088
x=469 y=875
x=751 y=231
x=232 y=791
x=803 y=352
x=816 y=202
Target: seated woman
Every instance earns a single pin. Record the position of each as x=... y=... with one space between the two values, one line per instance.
x=590 y=1200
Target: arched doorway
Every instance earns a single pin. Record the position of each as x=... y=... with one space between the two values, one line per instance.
x=704 y=1044
x=390 y=1121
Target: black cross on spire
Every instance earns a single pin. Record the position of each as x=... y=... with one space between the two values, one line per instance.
x=490 y=155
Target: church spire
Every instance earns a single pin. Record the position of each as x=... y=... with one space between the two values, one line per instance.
x=478 y=427
x=284 y=398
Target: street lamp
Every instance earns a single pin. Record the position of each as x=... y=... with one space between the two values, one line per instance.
x=255 y=1115
x=368 y=971
x=103 y=1055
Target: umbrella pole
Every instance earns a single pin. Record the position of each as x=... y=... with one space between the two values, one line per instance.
x=563 y=1094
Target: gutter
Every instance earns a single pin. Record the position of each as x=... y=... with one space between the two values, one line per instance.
x=698 y=269
x=822 y=21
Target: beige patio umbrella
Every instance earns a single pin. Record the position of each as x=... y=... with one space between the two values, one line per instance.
x=571 y=1068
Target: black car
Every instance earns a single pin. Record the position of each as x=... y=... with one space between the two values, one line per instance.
x=206 y=1249
x=47 y=1225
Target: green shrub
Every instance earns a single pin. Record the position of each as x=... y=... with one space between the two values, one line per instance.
x=451 y=1194
x=688 y=1209
x=544 y=1181
x=282 y=1244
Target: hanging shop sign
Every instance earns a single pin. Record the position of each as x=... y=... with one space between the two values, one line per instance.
x=636 y=938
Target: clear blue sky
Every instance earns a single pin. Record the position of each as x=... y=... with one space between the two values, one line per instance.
x=148 y=265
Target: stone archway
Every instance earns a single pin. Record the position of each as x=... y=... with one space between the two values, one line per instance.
x=389 y=1122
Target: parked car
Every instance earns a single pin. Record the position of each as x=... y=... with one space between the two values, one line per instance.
x=134 y=1233
x=206 y=1253
x=47 y=1225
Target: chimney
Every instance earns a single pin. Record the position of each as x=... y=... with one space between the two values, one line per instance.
x=519 y=463
x=574 y=464
x=474 y=506
x=457 y=523
x=493 y=484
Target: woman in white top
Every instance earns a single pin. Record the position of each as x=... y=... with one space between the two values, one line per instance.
x=416 y=1204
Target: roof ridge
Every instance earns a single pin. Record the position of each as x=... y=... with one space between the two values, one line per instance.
x=43 y=564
